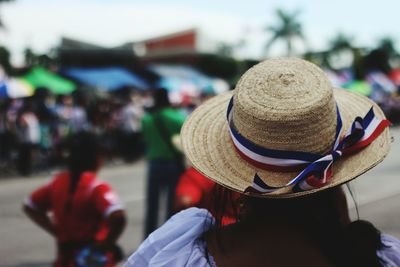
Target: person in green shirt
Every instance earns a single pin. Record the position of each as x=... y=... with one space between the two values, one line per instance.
x=165 y=162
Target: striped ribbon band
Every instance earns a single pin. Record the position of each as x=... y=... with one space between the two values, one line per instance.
x=315 y=170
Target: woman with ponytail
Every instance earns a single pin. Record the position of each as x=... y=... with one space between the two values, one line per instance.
x=77 y=209
x=287 y=141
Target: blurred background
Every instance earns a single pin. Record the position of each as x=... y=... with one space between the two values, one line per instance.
x=94 y=65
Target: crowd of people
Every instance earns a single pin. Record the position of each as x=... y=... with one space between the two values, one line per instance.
x=253 y=142
x=33 y=130
x=277 y=168
x=88 y=216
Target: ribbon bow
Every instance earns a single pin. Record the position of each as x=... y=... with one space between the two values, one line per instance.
x=315 y=170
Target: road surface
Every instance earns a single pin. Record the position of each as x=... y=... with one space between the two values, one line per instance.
x=25 y=245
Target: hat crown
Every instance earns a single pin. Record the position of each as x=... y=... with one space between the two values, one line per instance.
x=286 y=104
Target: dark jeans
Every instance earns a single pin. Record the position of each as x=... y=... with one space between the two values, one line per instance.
x=25 y=158
x=6 y=145
x=163 y=175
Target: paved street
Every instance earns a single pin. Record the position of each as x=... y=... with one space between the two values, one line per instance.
x=25 y=245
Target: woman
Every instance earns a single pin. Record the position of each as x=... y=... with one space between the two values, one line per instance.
x=77 y=209
x=287 y=141
x=28 y=130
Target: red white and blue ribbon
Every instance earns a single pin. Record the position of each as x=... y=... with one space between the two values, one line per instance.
x=315 y=169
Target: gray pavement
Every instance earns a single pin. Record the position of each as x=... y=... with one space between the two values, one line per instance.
x=23 y=244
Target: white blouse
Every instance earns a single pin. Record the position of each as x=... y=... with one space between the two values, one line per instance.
x=178 y=243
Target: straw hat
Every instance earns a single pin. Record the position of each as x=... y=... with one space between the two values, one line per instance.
x=280 y=104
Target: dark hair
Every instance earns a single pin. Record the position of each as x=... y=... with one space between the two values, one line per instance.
x=321 y=216
x=84 y=152
x=161 y=98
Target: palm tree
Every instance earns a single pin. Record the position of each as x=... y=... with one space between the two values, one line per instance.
x=384 y=57
x=5 y=59
x=287 y=29
x=341 y=42
x=341 y=51
x=387 y=44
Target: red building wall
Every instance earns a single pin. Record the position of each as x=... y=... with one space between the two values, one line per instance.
x=186 y=40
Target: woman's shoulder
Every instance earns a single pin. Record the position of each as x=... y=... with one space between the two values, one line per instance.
x=177 y=242
x=390 y=251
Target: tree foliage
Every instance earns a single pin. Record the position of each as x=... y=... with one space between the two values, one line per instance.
x=341 y=42
x=387 y=44
x=5 y=59
x=287 y=29
x=218 y=66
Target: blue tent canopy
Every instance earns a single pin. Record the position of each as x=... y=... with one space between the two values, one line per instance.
x=181 y=78
x=108 y=79
x=174 y=76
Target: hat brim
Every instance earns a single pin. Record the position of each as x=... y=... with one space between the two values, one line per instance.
x=208 y=146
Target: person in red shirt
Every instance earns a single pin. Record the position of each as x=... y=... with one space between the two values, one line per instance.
x=78 y=209
x=193 y=190
x=196 y=190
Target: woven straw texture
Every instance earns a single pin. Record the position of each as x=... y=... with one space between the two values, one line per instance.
x=285 y=104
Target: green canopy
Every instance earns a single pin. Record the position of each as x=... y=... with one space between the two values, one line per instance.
x=39 y=77
x=359 y=87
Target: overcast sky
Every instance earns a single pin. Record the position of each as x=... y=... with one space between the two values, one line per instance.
x=39 y=24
